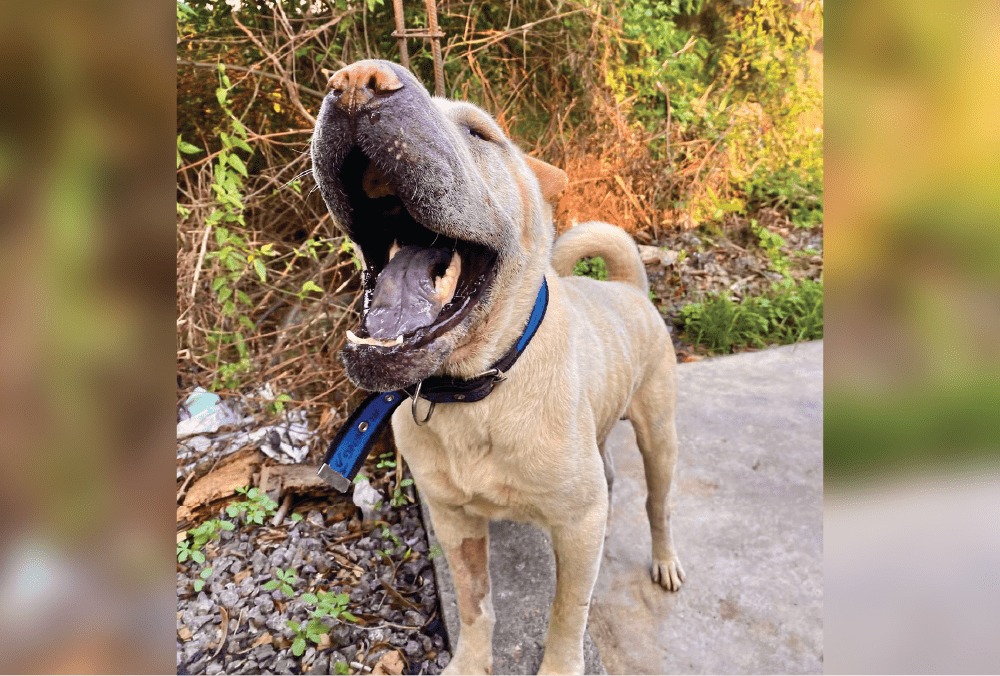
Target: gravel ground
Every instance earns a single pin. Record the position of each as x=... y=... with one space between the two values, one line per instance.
x=392 y=593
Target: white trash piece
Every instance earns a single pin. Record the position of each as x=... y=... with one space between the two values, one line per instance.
x=366 y=497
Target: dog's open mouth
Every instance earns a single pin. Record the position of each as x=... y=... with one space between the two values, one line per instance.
x=418 y=284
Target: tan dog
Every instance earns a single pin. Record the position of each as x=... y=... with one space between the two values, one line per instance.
x=454 y=224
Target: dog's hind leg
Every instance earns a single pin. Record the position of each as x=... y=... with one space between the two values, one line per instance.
x=652 y=414
x=465 y=540
x=609 y=475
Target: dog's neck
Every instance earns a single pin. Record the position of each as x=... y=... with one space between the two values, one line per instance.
x=499 y=330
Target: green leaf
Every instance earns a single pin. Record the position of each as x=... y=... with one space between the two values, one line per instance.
x=258 y=265
x=237 y=164
x=293 y=625
x=296 y=517
x=240 y=143
x=224 y=294
x=270 y=585
x=221 y=94
x=205 y=574
x=226 y=525
x=298 y=646
x=406 y=482
x=268 y=250
x=198 y=557
x=188 y=148
x=199 y=585
x=311 y=286
x=232 y=510
x=309 y=598
x=218 y=283
x=348 y=616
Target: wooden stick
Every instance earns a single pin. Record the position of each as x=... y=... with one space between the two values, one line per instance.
x=432 y=24
x=279 y=516
x=400 y=33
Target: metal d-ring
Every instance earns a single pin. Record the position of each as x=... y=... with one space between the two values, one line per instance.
x=413 y=407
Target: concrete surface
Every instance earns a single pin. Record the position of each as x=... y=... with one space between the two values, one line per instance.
x=748 y=525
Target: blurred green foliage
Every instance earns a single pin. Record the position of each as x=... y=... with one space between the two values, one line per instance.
x=913 y=248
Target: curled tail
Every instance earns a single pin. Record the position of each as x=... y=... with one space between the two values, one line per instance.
x=610 y=242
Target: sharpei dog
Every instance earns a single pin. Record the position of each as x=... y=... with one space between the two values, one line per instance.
x=454 y=226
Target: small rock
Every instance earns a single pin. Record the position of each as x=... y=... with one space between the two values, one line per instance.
x=275 y=623
x=258 y=561
x=204 y=604
x=284 y=665
x=320 y=665
x=228 y=597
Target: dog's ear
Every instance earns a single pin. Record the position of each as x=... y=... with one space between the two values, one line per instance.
x=552 y=180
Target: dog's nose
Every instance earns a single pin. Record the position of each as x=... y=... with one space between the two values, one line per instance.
x=359 y=83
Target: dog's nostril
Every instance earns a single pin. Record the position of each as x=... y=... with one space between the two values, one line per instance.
x=356 y=85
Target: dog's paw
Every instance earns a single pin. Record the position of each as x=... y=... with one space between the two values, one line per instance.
x=464 y=666
x=553 y=667
x=668 y=573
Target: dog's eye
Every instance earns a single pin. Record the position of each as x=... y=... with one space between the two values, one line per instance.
x=475 y=133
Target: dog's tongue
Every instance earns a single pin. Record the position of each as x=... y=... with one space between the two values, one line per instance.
x=405 y=298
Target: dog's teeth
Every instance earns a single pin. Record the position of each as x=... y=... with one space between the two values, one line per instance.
x=398 y=340
x=444 y=286
x=394 y=249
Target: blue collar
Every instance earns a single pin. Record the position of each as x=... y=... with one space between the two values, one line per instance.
x=355 y=439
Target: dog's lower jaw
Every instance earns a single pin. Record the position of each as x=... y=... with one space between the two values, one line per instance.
x=370 y=368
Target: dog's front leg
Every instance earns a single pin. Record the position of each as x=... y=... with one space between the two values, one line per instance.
x=578 y=545
x=465 y=539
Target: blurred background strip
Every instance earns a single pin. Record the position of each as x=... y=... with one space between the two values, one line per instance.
x=86 y=328
x=912 y=419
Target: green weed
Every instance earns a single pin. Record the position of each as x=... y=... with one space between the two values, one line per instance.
x=257 y=506
x=595 y=268
x=190 y=547
x=283 y=581
x=327 y=604
x=772 y=243
x=791 y=312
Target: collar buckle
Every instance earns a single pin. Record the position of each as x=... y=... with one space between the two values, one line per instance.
x=413 y=407
x=495 y=373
